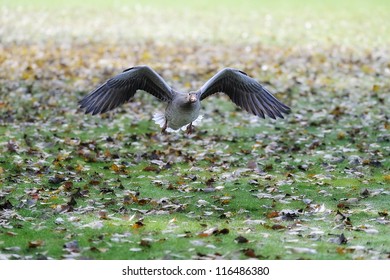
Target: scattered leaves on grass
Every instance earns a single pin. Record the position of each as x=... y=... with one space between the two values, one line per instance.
x=99 y=180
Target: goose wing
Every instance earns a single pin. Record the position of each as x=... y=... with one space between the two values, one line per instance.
x=120 y=88
x=245 y=92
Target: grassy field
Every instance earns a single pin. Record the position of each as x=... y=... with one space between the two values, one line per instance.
x=313 y=186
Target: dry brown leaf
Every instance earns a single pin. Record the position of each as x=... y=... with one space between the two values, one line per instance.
x=35 y=244
x=138 y=225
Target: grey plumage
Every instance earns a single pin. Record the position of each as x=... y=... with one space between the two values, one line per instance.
x=122 y=88
x=183 y=108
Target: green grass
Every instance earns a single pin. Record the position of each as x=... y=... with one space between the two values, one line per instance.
x=242 y=205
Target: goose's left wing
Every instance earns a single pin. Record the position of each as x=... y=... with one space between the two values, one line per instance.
x=245 y=92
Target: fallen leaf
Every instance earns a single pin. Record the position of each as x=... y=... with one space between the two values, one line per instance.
x=72 y=246
x=249 y=253
x=103 y=214
x=224 y=231
x=6 y=205
x=241 y=239
x=208 y=232
x=383 y=213
x=301 y=250
x=35 y=244
x=371 y=231
x=135 y=249
x=99 y=250
x=146 y=242
x=339 y=239
x=273 y=214
x=95 y=225
x=376 y=88
x=277 y=227
x=151 y=168
x=138 y=225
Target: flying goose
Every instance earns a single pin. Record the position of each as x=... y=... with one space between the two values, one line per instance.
x=183 y=108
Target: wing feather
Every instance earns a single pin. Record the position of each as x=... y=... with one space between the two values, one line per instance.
x=245 y=92
x=122 y=87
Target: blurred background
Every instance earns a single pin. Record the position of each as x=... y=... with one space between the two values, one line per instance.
x=280 y=22
x=280 y=42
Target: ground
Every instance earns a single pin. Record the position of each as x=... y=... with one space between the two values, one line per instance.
x=315 y=185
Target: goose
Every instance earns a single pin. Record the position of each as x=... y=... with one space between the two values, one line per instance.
x=182 y=109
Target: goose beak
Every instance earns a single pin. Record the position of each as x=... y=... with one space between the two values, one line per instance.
x=193 y=98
